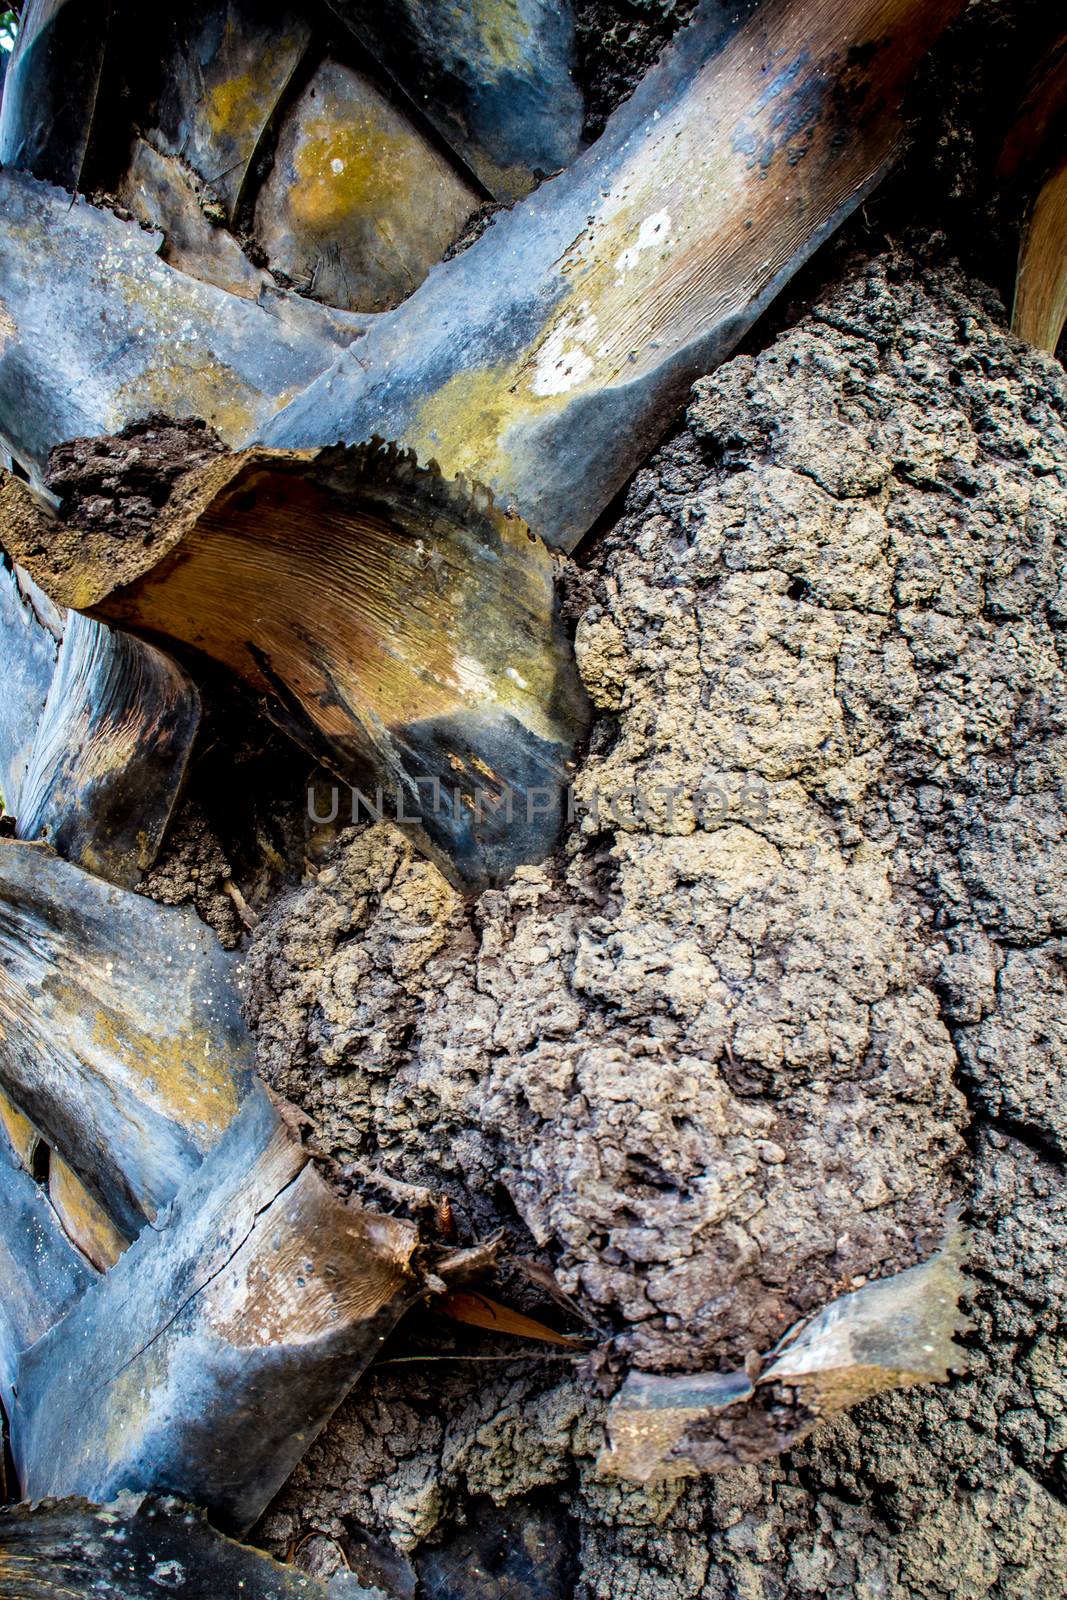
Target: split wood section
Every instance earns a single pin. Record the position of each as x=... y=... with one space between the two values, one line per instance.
x=209 y=1357
x=1033 y=157
x=77 y=1212
x=1041 y=288
x=398 y=625
x=109 y=753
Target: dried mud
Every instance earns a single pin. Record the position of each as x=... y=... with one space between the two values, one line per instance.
x=794 y=982
x=117 y=485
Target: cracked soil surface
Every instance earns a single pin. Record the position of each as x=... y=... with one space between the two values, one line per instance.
x=796 y=980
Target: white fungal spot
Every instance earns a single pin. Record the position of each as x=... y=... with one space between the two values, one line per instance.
x=337 y=166
x=563 y=363
x=168 y=1574
x=653 y=231
x=473 y=678
x=517 y=677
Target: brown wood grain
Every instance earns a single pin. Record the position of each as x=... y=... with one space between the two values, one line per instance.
x=399 y=625
x=1041 y=286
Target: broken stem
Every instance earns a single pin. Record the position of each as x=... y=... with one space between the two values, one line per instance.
x=209 y=1357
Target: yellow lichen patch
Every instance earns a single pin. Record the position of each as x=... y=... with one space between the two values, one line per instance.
x=183 y=1077
x=504 y=34
x=234 y=104
x=84 y=1219
x=358 y=205
x=8 y=327
x=224 y=90
x=198 y=385
x=19 y=1129
x=343 y=168
x=131 y=1394
x=463 y=424
x=170 y=357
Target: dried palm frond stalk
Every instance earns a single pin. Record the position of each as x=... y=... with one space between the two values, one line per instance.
x=96 y=330
x=82 y=1217
x=398 y=625
x=51 y=87
x=1032 y=159
x=1041 y=287
x=30 y=635
x=209 y=1357
x=549 y=358
x=226 y=69
x=120 y=1031
x=96 y=729
x=494 y=78
x=357 y=156
x=109 y=754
